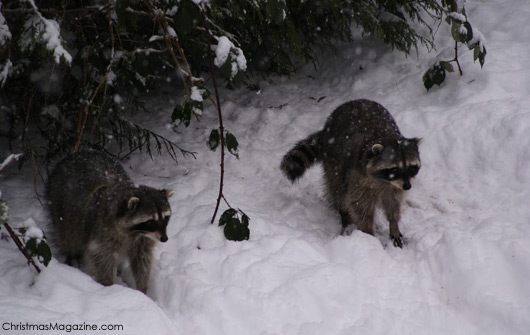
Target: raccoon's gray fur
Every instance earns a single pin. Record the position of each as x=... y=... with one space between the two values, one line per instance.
x=366 y=161
x=99 y=215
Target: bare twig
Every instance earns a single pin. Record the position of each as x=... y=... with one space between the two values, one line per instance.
x=8 y=161
x=169 y=39
x=456 y=58
x=83 y=123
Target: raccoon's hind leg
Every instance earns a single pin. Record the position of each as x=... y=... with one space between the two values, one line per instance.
x=392 y=208
x=140 y=256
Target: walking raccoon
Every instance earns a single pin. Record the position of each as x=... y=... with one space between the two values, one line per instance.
x=366 y=161
x=99 y=215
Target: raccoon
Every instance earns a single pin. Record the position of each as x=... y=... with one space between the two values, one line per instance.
x=99 y=215
x=366 y=162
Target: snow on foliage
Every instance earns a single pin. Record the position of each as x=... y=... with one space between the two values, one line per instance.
x=4 y=72
x=5 y=34
x=49 y=31
x=227 y=51
x=196 y=94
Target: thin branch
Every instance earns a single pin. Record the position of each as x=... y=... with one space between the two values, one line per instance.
x=221 y=128
x=136 y=12
x=168 y=38
x=109 y=69
x=83 y=124
x=8 y=161
x=20 y=246
x=456 y=59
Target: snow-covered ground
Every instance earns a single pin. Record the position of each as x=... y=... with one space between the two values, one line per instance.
x=466 y=266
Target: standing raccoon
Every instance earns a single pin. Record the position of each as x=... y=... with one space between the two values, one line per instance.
x=366 y=161
x=99 y=215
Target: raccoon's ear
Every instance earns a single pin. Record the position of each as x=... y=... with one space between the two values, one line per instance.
x=127 y=206
x=169 y=193
x=377 y=148
x=133 y=201
x=418 y=140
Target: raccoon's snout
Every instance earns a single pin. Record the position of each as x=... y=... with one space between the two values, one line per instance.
x=163 y=238
x=406 y=185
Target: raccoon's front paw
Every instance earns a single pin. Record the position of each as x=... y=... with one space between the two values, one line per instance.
x=348 y=230
x=398 y=241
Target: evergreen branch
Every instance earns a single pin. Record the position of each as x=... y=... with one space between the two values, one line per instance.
x=131 y=131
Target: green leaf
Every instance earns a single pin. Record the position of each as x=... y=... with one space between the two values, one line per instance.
x=44 y=253
x=196 y=107
x=41 y=250
x=205 y=93
x=455 y=31
x=213 y=140
x=244 y=219
x=227 y=216
x=434 y=76
x=226 y=69
x=231 y=144
x=458 y=35
x=447 y=66
x=31 y=246
x=188 y=17
x=236 y=231
x=182 y=113
x=480 y=55
x=469 y=29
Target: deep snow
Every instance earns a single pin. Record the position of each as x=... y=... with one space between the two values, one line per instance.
x=465 y=267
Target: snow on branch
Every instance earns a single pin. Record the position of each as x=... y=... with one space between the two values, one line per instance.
x=50 y=33
x=225 y=49
x=5 y=34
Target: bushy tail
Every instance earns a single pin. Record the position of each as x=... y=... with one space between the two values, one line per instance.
x=301 y=157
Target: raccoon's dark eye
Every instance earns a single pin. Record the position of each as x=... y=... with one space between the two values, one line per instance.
x=413 y=170
x=148 y=226
x=390 y=174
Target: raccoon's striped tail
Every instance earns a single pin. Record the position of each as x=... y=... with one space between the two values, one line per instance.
x=300 y=158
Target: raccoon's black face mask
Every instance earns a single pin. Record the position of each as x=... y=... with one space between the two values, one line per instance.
x=396 y=162
x=398 y=175
x=152 y=228
x=149 y=212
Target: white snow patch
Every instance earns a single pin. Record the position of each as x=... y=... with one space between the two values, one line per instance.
x=457 y=17
x=196 y=94
x=9 y=159
x=111 y=77
x=224 y=49
x=34 y=232
x=5 y=34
